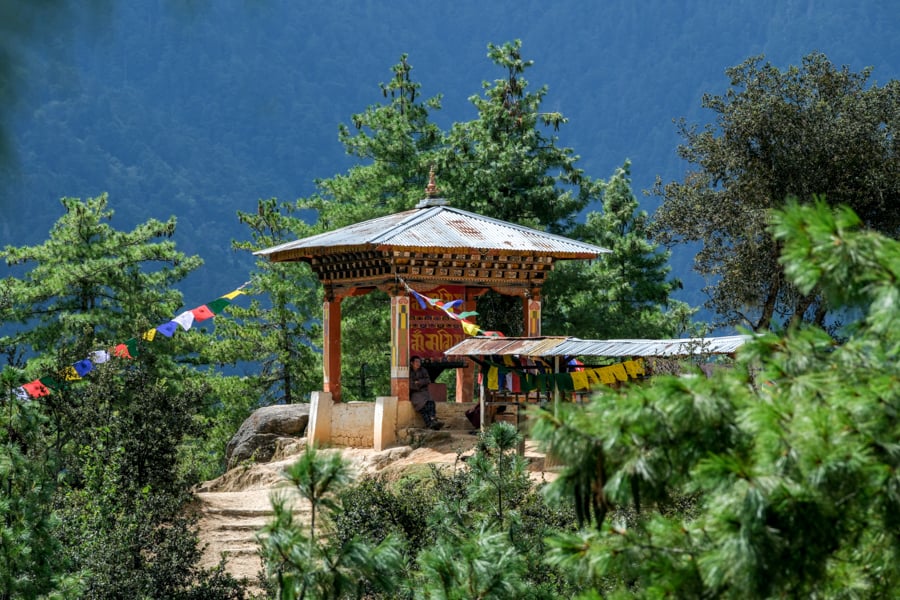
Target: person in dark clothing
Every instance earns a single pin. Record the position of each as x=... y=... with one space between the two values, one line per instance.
x=418 y=394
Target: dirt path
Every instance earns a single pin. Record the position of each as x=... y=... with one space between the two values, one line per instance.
x=234 y=507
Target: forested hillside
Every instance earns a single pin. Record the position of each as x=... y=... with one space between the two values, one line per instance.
x=198 y=109
x=198 y=123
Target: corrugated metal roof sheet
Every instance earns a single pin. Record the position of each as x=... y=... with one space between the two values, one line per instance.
x=441 y=227
x=562 y=346
x=476 y=346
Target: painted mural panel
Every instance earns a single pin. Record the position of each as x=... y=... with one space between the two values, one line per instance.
x=431 y=330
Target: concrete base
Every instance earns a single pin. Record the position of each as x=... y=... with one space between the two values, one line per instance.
x=374 y=425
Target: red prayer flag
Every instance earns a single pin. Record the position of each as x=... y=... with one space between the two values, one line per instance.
x=36 y=389
x=121 y=351
x=201 y=313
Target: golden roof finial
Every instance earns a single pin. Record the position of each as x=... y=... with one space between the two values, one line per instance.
x=431 y=190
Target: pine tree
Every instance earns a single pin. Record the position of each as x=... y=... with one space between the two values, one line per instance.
x=303 y=560
x=507 y=165
x=281 y=337
x=624 y=294
x=114 y=488
x=91 y=282
x=396 y=142
x=775 y=478
x=504 y=164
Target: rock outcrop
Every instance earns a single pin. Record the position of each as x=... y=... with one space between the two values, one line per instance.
x=264 y=431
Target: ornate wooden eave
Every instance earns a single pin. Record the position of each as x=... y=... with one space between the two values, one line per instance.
x=433 y=244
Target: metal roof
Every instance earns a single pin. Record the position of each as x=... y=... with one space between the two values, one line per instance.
x=434 y=226
x=566 y=346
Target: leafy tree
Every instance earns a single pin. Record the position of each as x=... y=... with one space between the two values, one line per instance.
x=624 y=294
x=303 y=560
x=374 y=508
x=32 y=564
x=281 y=337
x=230 y=399
x=506 y=165
x=808 y=130
x=123 y=498
x=790 y=457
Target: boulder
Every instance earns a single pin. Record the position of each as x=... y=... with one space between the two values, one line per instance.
x=258 y=436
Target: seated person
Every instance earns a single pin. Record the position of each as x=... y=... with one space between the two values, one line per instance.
x=418 y=394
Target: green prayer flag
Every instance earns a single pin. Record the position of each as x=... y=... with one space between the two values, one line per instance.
x=218 y=305
x=564 y=382
x=52 y=383
x=527 y=382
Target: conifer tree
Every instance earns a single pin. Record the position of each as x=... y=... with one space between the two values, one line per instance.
x=91 y=282
x=281 y=336
x=624 y=294
x=303 y=559
x=507 y=164
x=788 y=461
x=504 y=164
x=113 y=486
x=396 y=142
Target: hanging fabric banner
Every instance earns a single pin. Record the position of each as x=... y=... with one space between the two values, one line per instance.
x=129 y=348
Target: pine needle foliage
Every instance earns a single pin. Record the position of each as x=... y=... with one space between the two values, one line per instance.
x=791 y=456
x=304 y=559
x=90 y=281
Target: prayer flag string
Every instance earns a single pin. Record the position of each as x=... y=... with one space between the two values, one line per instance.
x=129 y=348
x=447 y=308
x=528 y=377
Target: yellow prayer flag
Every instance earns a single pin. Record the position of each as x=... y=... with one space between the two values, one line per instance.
x=607 y=376
x=70 y=374
x=149 y=334
x=631 y=368
x=619 y=372
x=234 y=294
x=639 y=363
x=593 y=377
x=493 y=383
x=470 y=328
x=580 y=380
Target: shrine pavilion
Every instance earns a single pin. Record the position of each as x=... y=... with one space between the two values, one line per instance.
x=434 y=250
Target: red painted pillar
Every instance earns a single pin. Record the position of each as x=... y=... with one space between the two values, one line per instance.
x=331 y=347
x=400 y=347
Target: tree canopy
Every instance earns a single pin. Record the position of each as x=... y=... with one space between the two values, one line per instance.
x=90 y=281
x=623 y=294
x=775 y=478
x=807 y=131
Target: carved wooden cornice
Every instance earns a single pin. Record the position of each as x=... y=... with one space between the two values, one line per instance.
x=514 y=274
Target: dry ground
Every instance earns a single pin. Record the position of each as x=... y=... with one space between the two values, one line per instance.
x=234 y=507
